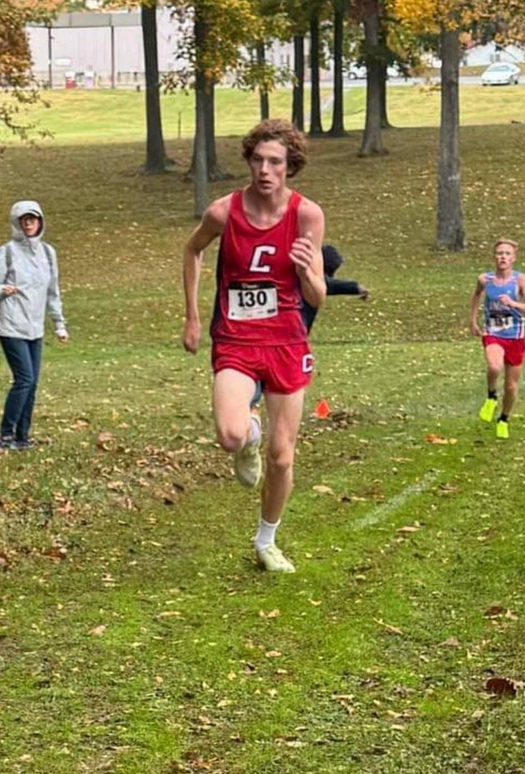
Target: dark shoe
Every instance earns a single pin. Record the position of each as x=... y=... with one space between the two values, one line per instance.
x=7 y=442
x=26 y=443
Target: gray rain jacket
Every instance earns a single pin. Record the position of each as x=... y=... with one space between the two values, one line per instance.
x=36 y=277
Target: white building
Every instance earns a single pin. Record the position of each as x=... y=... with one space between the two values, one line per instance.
x=106 y=49
x=485 y=55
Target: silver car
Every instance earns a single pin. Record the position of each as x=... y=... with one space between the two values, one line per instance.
x=501 y=73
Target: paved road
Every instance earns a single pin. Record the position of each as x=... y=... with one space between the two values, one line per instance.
x=471 y=80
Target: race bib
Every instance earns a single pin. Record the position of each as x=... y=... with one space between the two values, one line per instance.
x=500 y=322
x=252 y=300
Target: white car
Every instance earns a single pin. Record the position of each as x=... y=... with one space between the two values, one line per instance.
x=501 y=73
x=356 y=71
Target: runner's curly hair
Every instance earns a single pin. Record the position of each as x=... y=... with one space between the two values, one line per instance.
x=284 y=132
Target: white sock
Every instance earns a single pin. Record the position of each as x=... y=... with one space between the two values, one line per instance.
x=265 y=534
x=255 y=430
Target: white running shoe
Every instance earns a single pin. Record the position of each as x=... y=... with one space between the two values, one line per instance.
x=248 y=462
x=273 y=560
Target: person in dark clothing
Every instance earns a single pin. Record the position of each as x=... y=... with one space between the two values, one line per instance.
x=332 y=262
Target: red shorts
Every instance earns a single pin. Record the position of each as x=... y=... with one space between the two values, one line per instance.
x=281 y=369
x=514 y=349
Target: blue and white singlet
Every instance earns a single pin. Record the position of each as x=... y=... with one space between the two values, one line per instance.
x=505 y=322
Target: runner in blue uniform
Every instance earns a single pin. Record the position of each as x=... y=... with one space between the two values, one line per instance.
x=503 y=330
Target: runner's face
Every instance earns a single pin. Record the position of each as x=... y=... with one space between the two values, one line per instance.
x=268 y=166
x=504 y=255
x=30 y=225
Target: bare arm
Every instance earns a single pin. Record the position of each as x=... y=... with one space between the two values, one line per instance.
x=306 y=253
x=474 y=305
x=210 y=227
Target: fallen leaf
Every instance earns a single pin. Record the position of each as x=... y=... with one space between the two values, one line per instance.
x=408 y=530
x=439 y=439
x=98 y=631
x=390 y=629
x=496 y=611
x=452 y=642
x=79 y=424
x=322 y=489
x=501 y=686
x=103 y=439
x=272 y=614
x=448 y=488
x=56 y=553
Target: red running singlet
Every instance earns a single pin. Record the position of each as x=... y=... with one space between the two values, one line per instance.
x=258 y=298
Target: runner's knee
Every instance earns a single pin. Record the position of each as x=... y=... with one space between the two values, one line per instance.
x=280 y=461
x=230 y=440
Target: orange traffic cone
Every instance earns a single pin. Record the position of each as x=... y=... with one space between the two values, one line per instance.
x=322 y=410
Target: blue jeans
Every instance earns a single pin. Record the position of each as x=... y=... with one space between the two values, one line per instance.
x=24 y=358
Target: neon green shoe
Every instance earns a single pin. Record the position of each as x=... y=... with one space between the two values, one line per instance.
x=487 y=411
x=502 y=429
x=248 y=462
x=272 y=559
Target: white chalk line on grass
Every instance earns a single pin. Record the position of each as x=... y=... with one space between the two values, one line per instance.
x=384 y=510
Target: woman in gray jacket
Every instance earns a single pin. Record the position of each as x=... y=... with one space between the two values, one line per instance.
x=29 y=288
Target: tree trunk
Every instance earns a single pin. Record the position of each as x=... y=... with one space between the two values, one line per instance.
x=155 y=152
x=385 y=123
x=205 y=95
x=264 y=99
x=316 y=124
x=338 y=129
x=298 y=88
x=200 y=162
x=200 y=175
x=372 y=142
x=383 y=35
x=450 y=232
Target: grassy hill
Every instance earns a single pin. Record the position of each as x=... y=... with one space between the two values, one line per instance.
x=136 y=633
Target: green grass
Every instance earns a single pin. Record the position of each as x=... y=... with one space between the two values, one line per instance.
x=136 y=633
x=74 y=116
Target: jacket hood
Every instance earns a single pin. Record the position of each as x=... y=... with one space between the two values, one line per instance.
x=23 y=208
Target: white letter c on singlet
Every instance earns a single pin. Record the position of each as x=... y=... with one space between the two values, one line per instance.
x=258 y=255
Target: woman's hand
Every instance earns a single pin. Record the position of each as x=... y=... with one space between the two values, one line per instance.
x=10 y=290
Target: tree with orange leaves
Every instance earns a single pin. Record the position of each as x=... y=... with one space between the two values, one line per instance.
x=17 y=85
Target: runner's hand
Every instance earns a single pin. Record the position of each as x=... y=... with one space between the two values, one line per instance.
x=302 y=252
x=475 y=329
x=191 y=336
x=506 y=300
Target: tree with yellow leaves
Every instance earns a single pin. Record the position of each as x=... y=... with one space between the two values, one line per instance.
x=450 y=19
x=446 y=18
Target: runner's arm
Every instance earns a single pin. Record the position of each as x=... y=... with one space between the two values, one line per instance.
x=306 y=253
x=210 y=227
x=508 y=301
x=474 y=305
